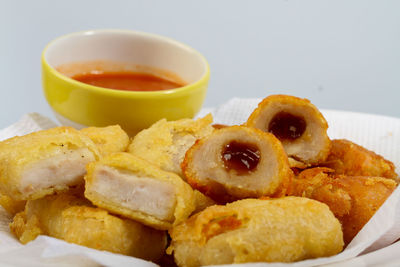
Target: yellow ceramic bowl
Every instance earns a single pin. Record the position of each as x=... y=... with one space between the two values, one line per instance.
x=79 y=104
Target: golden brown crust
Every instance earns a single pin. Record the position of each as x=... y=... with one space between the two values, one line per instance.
x=312 y=147
x=108 y=139
x=74 y=220
x=205 y=170
x=12 y=206
x=251 y=230
x=350 y=159
x=353 y=199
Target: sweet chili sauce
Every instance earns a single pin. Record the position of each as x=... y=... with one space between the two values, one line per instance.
x=128 y=81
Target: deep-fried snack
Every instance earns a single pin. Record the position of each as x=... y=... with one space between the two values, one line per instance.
x=44 y=162
x=201 y=201
x=350 y=159
x=130 y=186
x=12 y=206
x=252 y=230
x=108 y=139
x=353 y=199
x=297 y=123
x=237 y=162
x=165 y=143
x=74 y=220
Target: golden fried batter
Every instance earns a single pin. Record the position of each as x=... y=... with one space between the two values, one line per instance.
x=108 y=139
x=130 y=186
x=12 y=206
x=297 y=123
x=74 y=220
x=353 y=199
x=251 y=230
x=165 y=143
x=351 y=159
x=237 y=162
x=44 y=162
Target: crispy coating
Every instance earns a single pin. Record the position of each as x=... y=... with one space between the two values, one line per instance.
x=353 y=199
x=44 y=162
x=74 y=220
x=350 y=159
x=201 y=201
x=226 y=176
x=252 y=230
x=165 y=143
x=108 y=139
x=12 y=206
x=286 y=115
x=130 y=186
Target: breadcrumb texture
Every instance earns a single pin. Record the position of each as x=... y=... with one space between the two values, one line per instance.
x=74 y=220
x=252 y=230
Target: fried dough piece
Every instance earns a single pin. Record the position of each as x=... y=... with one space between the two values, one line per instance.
x=252 y=230
x=353 y=199
x=350 y=159
x=297 y=123
x=237 y=162
x=130 y=186
x=44 y=162
x=12 y=206
x=74 y=220
x=165 y=143
x=108 y=139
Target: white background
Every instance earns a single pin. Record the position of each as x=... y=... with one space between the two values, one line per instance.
x=341 y=54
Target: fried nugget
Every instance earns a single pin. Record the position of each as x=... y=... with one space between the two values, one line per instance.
x=74 y=220
x=237 y=162
x=252 y=230
x=165 y=143
x=297 y=123
x=108 y=139
x=130 y=186
x=44 y=162
x=353 y=199
x=350 y=159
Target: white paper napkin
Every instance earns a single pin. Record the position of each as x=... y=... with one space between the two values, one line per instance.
x=378 y=133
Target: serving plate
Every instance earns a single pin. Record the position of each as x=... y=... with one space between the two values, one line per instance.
x=378 y=133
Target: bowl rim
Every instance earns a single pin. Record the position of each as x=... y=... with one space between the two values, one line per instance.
x=123 y=93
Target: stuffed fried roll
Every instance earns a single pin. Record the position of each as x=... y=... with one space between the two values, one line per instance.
x=44 y=162
x=165 y=143
x=75 y=220
x=132 y=187
x=297 y=123
x=237 y=162
x=252 y=230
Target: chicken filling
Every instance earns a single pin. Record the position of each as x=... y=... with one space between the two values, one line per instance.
x=65 y=168
x=137 y=193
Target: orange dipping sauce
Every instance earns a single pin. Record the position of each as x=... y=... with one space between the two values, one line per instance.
x=129 y=81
